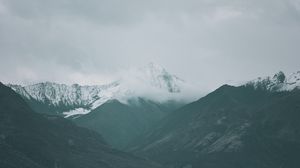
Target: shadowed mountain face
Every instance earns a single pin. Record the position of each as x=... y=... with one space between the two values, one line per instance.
x=231 y=127
x=121 y=124
x=30 y=140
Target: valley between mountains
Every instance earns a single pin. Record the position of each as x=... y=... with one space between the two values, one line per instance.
x=255 y=124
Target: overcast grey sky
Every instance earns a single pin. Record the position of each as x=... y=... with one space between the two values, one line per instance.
x=207 y=42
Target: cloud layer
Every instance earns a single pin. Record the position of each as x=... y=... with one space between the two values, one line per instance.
x=207 y=42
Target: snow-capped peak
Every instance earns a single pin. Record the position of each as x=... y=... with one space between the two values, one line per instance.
x=279 y=82
x=150 y=82
x=78 y=99
x=157 y=76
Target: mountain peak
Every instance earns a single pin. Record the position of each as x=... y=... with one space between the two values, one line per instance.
x=279 y=82
x=73 y=100
x=159 y=77
x=279 y=77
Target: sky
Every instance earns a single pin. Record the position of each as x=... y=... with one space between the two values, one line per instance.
x=205 y=42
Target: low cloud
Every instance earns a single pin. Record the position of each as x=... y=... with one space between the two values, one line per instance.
x=205 y=42
x=152 y=84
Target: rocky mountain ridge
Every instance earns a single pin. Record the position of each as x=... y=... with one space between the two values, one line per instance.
x=75 y=100
x=279 y=82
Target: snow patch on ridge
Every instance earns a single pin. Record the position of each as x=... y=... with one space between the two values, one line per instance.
x=78 y=111
x=279 y=82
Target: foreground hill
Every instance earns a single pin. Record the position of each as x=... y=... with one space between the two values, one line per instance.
x=242 y=127
x=121 y=124
x=30 y=140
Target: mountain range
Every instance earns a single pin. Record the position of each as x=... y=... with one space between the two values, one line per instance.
x=76 y=100
x=118 y=111
x=32 y=140
x=251 y=125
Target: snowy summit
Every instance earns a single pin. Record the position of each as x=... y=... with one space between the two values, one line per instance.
x=279 y=82
x=78 y=100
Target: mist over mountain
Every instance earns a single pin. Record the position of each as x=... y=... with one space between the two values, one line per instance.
x=151 y=82
x=251 y=125
x=120 y=111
